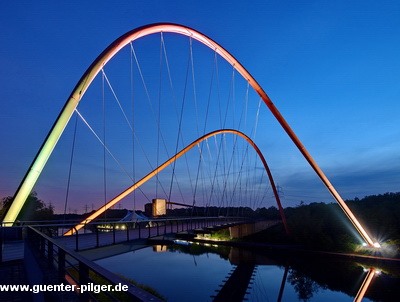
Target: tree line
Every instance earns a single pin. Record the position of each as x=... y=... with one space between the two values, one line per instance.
x=316 y=225
x=324 y=226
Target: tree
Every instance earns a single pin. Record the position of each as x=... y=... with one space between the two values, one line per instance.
x=303 y=285
x=34 y=209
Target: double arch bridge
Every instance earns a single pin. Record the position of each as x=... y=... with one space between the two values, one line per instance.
x=98 y=68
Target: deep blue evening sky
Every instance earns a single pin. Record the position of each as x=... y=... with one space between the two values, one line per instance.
x=331 y=67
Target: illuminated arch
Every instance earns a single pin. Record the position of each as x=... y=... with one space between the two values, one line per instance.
x=136 y=185
x=41 y=158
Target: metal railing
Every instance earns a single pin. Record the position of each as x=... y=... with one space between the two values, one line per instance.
x=148 y=229
x=11 y=243
x=118 y=231
x=71 y=268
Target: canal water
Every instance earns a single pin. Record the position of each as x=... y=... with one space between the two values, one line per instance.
x=205 y=272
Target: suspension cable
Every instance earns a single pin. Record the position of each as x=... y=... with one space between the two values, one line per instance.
x=179 y=126
x=127 y=121
x=204 y=131
x=104 y=146
x=133 y=125
x=102 y=143
x=70 y=167
x=103 y=77
x=151 y=107
x=159 y=115
x=174 y=105
x=117 y=100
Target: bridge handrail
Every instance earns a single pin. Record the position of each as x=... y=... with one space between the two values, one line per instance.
x=163 y=226
x=44 y=246
x=25 y=223
x=43 y=223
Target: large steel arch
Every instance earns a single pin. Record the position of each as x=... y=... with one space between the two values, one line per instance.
x=41 y=158
x=153 y=173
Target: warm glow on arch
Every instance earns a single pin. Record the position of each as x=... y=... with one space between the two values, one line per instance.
x=41 y=158
x=153 y=173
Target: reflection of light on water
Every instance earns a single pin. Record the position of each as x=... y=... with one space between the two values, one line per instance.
x=160 y=248
x=367 y=281
x=182 y=242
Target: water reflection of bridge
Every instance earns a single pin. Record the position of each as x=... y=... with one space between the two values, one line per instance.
x=235 y=287
x=298 y=270
x=320 y=271
x=247 y=265
x=307 y=274
x=55 y=256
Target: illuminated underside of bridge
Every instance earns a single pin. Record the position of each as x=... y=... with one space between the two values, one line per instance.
x=70 y=107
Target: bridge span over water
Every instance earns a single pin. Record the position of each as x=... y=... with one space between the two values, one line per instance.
x=227 y=175
x=54 y=260
x=200 y=126
x=97 y=235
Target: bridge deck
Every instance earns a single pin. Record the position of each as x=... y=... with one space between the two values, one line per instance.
x=93 y=240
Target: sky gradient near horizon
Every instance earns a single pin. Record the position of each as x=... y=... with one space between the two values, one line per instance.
x=331 y=68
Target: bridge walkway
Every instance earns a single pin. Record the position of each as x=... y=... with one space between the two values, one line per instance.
x=99 y=238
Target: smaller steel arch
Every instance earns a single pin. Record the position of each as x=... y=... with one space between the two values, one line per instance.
x=136 y=185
